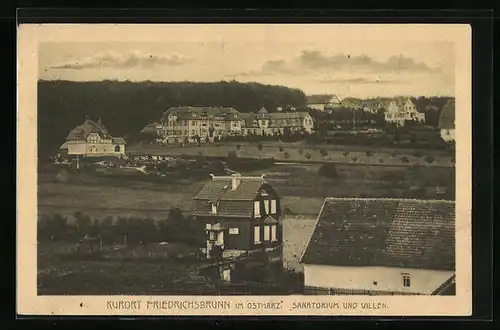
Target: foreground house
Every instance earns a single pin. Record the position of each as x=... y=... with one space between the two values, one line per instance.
x=92 y=139
x=323 y=102
x=447 y=121
x=241 y=215
x=399 y=111
x=381 y=247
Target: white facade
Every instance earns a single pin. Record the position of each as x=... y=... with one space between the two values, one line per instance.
x=95 y=146
x=448 y=134
x=400 y=114
x=421 y=281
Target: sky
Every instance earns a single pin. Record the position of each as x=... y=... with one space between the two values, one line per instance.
x=355 y=65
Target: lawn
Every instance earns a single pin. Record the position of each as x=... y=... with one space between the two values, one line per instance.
x=300 y=153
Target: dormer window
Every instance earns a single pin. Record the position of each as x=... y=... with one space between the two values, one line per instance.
x=214 y=208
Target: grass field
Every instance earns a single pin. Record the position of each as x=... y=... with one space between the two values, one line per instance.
x=301 y=188
x=299 y=153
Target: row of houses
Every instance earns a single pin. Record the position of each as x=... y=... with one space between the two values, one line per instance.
x=93 y=139
x=398 y=110
x=358 y=245
x=210 y=122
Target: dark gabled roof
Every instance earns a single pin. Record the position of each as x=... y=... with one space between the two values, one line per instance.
x=225 y=208
x=384 y=232
x=219 y=188
x=322 y=99
x=238 y=202
x=188 y=112
x=447 y=117
x=446 y=289
x=119 y=141
x=81 y=132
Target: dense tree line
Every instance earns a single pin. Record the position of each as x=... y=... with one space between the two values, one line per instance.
x=126 y=107
x=175 y=228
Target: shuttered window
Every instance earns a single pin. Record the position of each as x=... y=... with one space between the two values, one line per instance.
x=266 y=206
x=273 y=233
x=256 y=234
x=267 y=233
x=273 y=206
x=256 y=208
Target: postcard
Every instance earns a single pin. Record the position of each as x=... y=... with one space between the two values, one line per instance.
x=233 y=169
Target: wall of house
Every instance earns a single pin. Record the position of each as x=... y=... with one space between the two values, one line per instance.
x=317 y=106
x=374 y=278
x=297 y=230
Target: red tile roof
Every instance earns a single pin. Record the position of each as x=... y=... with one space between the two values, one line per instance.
x=384 y=232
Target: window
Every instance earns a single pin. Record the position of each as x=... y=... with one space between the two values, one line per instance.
x=212 y=236
x=273 y=206
x=267 y=233
x=117 y=149
x=406 y=280
x=256 y=234
x=233 y=231
x=256 y=208
x=266 y=206
x=273 y=233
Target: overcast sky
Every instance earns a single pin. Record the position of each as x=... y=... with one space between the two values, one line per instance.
x=358 y=66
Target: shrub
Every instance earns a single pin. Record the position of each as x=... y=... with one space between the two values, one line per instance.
x=354 y=159
x=405 y=159
x=238 y=147
x=308 y=156
x=429 y=159
x=301 y=151
x=286 y=154
x=281 y=149
x=328 y=171
x=259 y=146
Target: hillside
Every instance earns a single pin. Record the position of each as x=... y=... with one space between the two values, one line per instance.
x=125 y=107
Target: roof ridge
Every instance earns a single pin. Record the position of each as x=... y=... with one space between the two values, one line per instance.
x=392 y=199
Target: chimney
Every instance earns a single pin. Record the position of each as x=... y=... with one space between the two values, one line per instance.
x=235 y=180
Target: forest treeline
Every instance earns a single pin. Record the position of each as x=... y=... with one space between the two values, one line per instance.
x=126 y=107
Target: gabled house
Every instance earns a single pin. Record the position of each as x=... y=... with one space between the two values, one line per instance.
x=323 y=102
x=266 y=123
x=447 y=121
x=401 y=110
x=92 y=139
x=241 y=214
x=372 y=246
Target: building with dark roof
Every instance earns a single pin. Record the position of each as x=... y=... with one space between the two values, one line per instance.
x=92 y=139
x=447 y=121
x=323 y=102
x=241 y=214
x=265 y=123
x=201 y=122
x=381 y=247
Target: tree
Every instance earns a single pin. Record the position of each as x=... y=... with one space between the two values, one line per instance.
x=308 y=156
x=83 y=223
x=345 y=153
x=286 y=155
x=369 y=154
x=405 y=159
x=238 y=147
x=301 y=151
x=328 y=171
x=281 y=149
x=429 y=159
